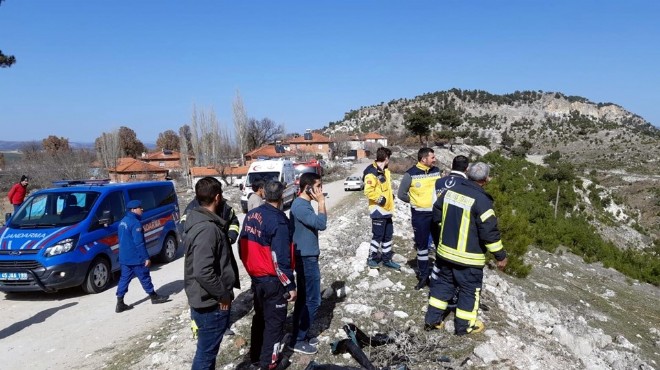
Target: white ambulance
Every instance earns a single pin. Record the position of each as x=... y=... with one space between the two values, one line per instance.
x=271 y=169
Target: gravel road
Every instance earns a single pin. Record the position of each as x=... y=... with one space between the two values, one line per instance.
x=62 y=330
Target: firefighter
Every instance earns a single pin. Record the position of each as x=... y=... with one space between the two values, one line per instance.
x=378 y=189
x=268 y=256
x=468 y=228
x=417 y=188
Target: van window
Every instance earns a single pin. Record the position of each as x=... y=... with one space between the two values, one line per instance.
x=54 y=209
x=266 y=176
x=113 y=202
x=154 y=196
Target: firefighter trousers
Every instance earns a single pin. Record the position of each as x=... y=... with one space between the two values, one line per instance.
x=445 y=278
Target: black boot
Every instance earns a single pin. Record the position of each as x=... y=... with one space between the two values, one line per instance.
x=155 y=298
x=424 y=281
x=121 y=306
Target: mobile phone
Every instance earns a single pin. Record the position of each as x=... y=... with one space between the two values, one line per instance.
x=308 y=190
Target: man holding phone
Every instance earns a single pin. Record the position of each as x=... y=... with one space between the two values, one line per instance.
x=306 y=224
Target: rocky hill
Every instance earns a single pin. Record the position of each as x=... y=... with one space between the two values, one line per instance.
x=615 y=148
x=604 y=134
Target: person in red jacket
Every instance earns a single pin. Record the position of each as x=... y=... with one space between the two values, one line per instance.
x=17 y=193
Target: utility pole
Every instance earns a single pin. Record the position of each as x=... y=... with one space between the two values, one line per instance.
x=557 y=200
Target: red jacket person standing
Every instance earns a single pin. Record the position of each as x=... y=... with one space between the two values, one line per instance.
x=17 y=193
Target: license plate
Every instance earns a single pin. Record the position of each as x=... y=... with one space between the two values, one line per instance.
x=13 y=276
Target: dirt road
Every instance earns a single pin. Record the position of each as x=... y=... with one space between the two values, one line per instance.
x=63 y=330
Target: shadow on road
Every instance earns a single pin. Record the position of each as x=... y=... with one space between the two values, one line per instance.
x=60 y=295
x=170 y=288
x=40 y=317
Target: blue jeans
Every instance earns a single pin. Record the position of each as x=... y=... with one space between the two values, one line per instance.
x=16 y=207
x=308 y=283
x=212 y=324
x=128 y=272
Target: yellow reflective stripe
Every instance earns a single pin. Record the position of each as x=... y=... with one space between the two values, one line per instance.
x=441 y=305
x=465 y=315
x=471 y=316
x=234 y=228
x=463 y=231
x=484 y=216
x=459 y=200
x=494 y=247
x=471 y=259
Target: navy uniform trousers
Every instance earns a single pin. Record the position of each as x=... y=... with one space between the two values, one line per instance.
x=270 y=308
x=382 y=230
x=421 y=223
x=446 y=277
x=128 y=272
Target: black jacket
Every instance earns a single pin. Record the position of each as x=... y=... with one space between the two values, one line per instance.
x=210 y=269
x=228 y=219
x=468 y=226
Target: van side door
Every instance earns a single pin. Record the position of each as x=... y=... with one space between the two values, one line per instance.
x=105 y=235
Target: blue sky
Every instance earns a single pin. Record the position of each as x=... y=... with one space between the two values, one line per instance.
x=86 y=67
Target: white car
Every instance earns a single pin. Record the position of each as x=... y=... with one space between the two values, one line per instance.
x=353 y=183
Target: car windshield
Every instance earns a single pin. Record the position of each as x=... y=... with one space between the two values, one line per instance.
x=304 y=169
x=353 y=178
x=54 y=209
x=266 y=176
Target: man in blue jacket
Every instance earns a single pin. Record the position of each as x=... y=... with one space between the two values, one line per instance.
x=133 y=257
x=306 y=225
x=266 y=251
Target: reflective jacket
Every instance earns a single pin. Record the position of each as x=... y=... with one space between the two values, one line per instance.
x=266 y=248
x=378 y=189
x=418 y=185
x=447 y=182
x=468 y=226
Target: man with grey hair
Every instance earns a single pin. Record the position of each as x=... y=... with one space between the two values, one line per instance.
x=267 y=254
x=468 y=228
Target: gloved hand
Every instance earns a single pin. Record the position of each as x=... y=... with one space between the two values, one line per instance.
x=381 y=201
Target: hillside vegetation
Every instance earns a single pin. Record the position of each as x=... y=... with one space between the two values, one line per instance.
x=525 y=196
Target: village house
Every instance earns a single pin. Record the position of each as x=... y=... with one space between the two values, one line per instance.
x=232 y=175
x=310 y=145
x=133 y=170
x=269 y=151
x=168 y=159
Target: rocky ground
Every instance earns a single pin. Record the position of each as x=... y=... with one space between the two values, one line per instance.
x=566 y=314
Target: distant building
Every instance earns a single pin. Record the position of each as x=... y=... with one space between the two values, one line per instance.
x=311 y=144
x=168 y=159
x=132 y=170
x=269 y=151
x=377 y=139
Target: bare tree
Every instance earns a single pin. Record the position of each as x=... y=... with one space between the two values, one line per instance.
x=213 y=143
x=194 y=137
x=240 y=125
x=184 y=144
x=108 y=149
x=260 y=132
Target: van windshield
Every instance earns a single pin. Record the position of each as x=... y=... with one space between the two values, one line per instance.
x=266 y=176
x=54 y=209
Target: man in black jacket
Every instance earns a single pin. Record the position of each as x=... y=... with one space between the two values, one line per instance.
x=210 y=272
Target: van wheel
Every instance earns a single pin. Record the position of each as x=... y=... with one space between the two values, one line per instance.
x=98 y=276
x=168 y=252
